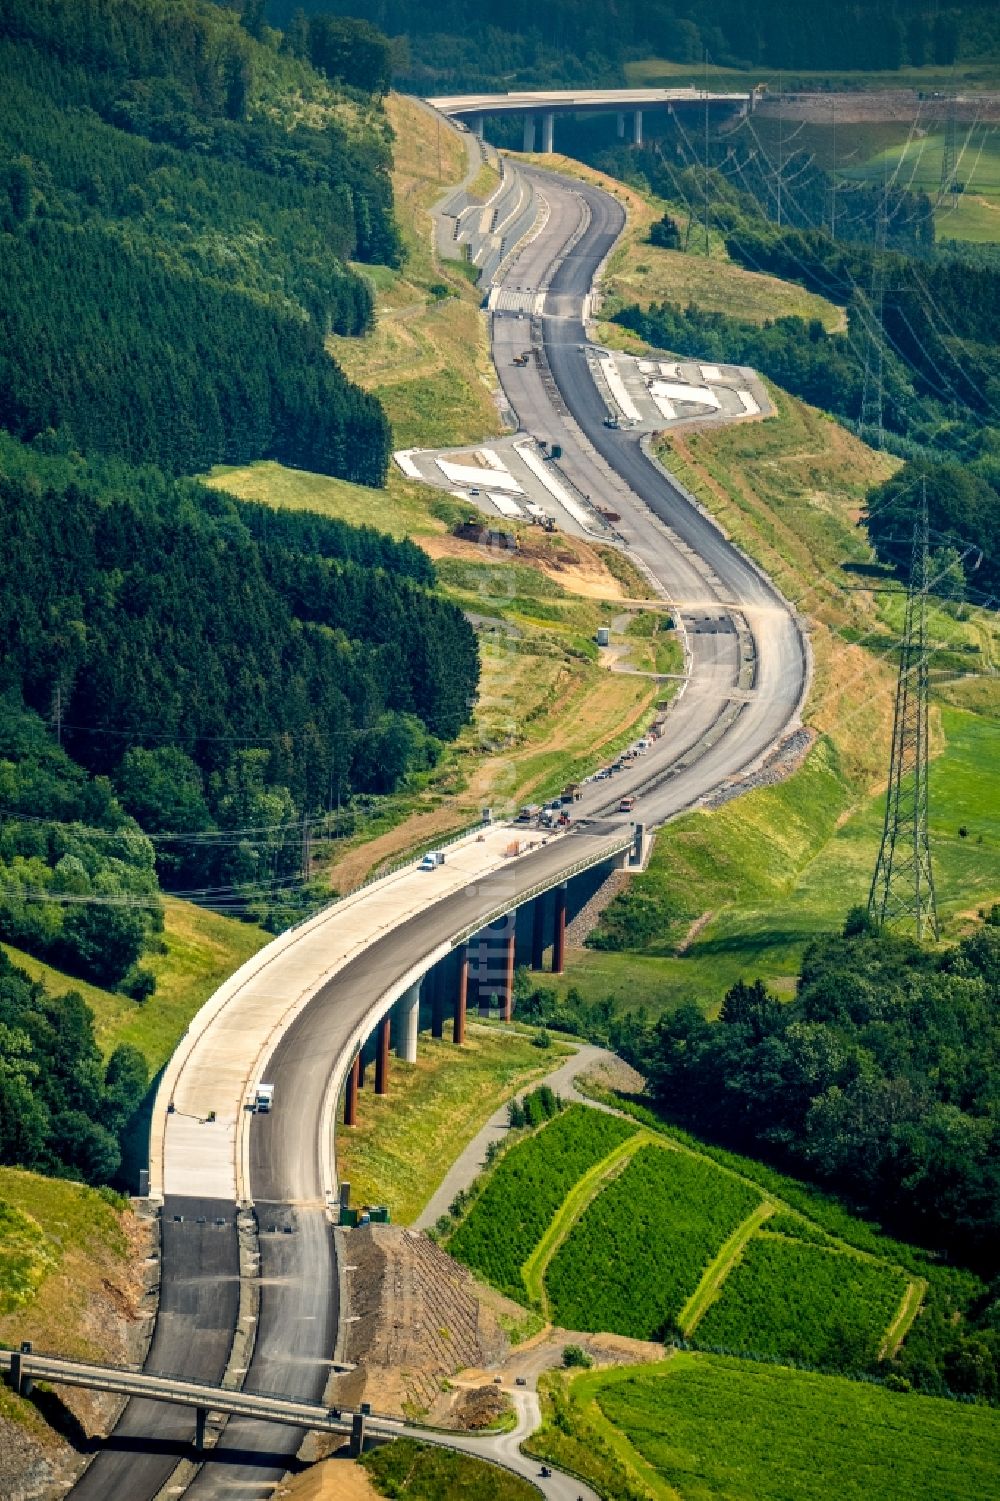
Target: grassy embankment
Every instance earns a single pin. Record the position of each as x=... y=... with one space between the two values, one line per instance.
x=766 y=872
x=707 y=1428
x=67 y=1269
x=395 y=1155
x=547 y=709
x=200 y=950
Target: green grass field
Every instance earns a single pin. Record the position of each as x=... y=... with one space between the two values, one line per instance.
x=403 y=1143
x=707 y=1428
x=788 y=1300
x=974 y=213
x=638 y=1252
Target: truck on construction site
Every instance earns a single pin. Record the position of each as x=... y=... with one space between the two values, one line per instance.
x=626 y=805
x=523 y=357
x=572 y=792
x=529 y=813
x=473 y=530
x=263 y=1098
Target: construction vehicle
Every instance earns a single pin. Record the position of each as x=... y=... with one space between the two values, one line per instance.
x=432 y=860
x=529 y=813
x=263 y=1098
x=572 y=793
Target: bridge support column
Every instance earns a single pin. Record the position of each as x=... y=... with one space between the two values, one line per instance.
x=508 y=989
x=461 y=992
x=200 y=1417
x=477 y=126
x=408 y=1024
x=435 y=981
x=548 y=129
x=528 y=143
x=484 y=979
x=621 y=125
x=559 y=939
x=351 y=1093
x=20 y=1381
x=357 y=1435
x=538 y=932
x=362 y=1066
x=638 y=127
x=382 y=1056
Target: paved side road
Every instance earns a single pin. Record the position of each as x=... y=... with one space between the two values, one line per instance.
x=471 y=1161
x=504 y=1449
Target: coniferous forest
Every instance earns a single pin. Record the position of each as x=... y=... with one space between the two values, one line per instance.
x=185 y=679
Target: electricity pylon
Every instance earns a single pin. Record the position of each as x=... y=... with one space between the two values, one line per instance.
x=873 y=387
x=903 y=884
x=949 y=159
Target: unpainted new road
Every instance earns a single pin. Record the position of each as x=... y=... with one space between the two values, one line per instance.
x=748 y=671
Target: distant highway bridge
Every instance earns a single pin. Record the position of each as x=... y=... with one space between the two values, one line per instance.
x=542 y=107
x=249 y=1293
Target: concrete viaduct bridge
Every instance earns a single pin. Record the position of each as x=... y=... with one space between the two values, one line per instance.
x=472 y=110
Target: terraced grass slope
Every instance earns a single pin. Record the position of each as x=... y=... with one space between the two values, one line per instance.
x=641 y=1234
x=637 y=1254
x=783 y=1299
x=510 y=1215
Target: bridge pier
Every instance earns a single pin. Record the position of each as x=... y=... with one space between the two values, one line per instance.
x=484 y=988
x=538 y=933
x=461 y=992
x=508 y=991
x=621 y=124
x=436 y=982
x=638 y=127
x=382 y=1056
x=477 y=126
x=351 y=1093
x=357 y=1444
x=408 y=1024
x=548 y=128
x=528 y=142
x=200 y=1418
x=559 y=938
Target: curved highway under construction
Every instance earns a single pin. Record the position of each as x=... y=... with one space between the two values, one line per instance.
x=249 y=1281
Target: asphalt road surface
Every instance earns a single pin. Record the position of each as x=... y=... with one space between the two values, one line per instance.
x=748 y=669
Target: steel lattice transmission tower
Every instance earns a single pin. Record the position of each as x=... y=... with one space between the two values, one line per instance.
x=873 y=388
x=949 y=153
x=903 y=883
